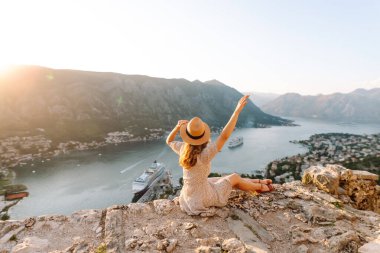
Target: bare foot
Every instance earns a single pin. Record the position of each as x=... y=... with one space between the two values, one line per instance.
x=266 y=188
x=261 y=181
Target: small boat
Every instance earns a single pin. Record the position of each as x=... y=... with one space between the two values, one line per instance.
x=18 y=195
x=235 y=142
x=144 y=181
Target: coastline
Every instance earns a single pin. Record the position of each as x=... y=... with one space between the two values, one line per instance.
x=19 y=149
x=358 y=152
x=15 y=157
x=112 y=148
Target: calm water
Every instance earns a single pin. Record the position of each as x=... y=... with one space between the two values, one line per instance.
x=86 y=180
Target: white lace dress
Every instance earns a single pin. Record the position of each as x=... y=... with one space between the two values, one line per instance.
x=200 y=194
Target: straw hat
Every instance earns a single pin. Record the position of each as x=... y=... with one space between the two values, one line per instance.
x=195 y=132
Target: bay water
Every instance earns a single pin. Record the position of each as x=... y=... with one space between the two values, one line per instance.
x=103 y=177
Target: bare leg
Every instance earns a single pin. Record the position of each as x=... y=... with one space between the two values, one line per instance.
x=215 y=179
x=246 y=184
x=261 y=181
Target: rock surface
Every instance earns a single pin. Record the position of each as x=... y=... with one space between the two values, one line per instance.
x=295 y=218
x=359 y=186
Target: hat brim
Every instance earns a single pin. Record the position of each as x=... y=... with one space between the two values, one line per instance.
x=186 y=138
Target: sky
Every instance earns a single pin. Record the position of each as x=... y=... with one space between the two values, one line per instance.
x=309 y=47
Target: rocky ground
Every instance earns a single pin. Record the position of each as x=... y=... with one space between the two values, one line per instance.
x=295 y=218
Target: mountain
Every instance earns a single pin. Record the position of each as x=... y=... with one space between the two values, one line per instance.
x=261 y=98
x=358 y=106
x=83 y=105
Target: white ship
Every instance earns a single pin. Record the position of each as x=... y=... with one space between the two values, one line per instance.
x=235 y=142
x=144 y=181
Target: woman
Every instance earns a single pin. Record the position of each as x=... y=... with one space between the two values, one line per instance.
x=200 y=193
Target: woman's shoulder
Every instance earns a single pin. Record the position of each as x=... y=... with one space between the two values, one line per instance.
x=210 y=144
x=176 y=146
x=209 y=152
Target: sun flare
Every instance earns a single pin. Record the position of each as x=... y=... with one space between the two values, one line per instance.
x=5 y=67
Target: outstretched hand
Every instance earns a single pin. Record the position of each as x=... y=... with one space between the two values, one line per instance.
x=229 y=128
x=242 y=102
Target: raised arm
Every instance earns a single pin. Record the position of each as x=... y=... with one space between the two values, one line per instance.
x=229 y=128
x=175 y=130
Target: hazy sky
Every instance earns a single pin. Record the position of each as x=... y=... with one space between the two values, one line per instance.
x=310 y=47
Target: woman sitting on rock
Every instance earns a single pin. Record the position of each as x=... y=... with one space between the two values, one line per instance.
x=200 y=193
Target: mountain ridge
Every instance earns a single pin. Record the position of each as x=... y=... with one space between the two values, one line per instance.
x=360 y=105
x=261 y=98
x=100 y=102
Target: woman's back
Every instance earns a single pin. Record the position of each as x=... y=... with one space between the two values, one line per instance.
x=203 y=164
x=199 y=192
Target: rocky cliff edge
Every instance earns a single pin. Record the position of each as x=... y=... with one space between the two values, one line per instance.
x=295 y=218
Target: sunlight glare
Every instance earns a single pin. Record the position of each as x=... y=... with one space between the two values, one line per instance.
x=4 y=68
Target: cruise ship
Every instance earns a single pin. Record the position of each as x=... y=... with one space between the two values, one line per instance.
x=144 y=181
x=235 y=142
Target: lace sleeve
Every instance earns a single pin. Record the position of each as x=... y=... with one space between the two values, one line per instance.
x=176 y=146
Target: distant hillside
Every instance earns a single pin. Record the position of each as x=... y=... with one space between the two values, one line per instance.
x=358 y=106
x=261 y=98
x=72 y=104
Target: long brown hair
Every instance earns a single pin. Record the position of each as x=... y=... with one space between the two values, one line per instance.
x=188 y=157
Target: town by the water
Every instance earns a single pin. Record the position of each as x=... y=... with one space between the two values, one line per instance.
x=18 y=150
x=361 y=152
